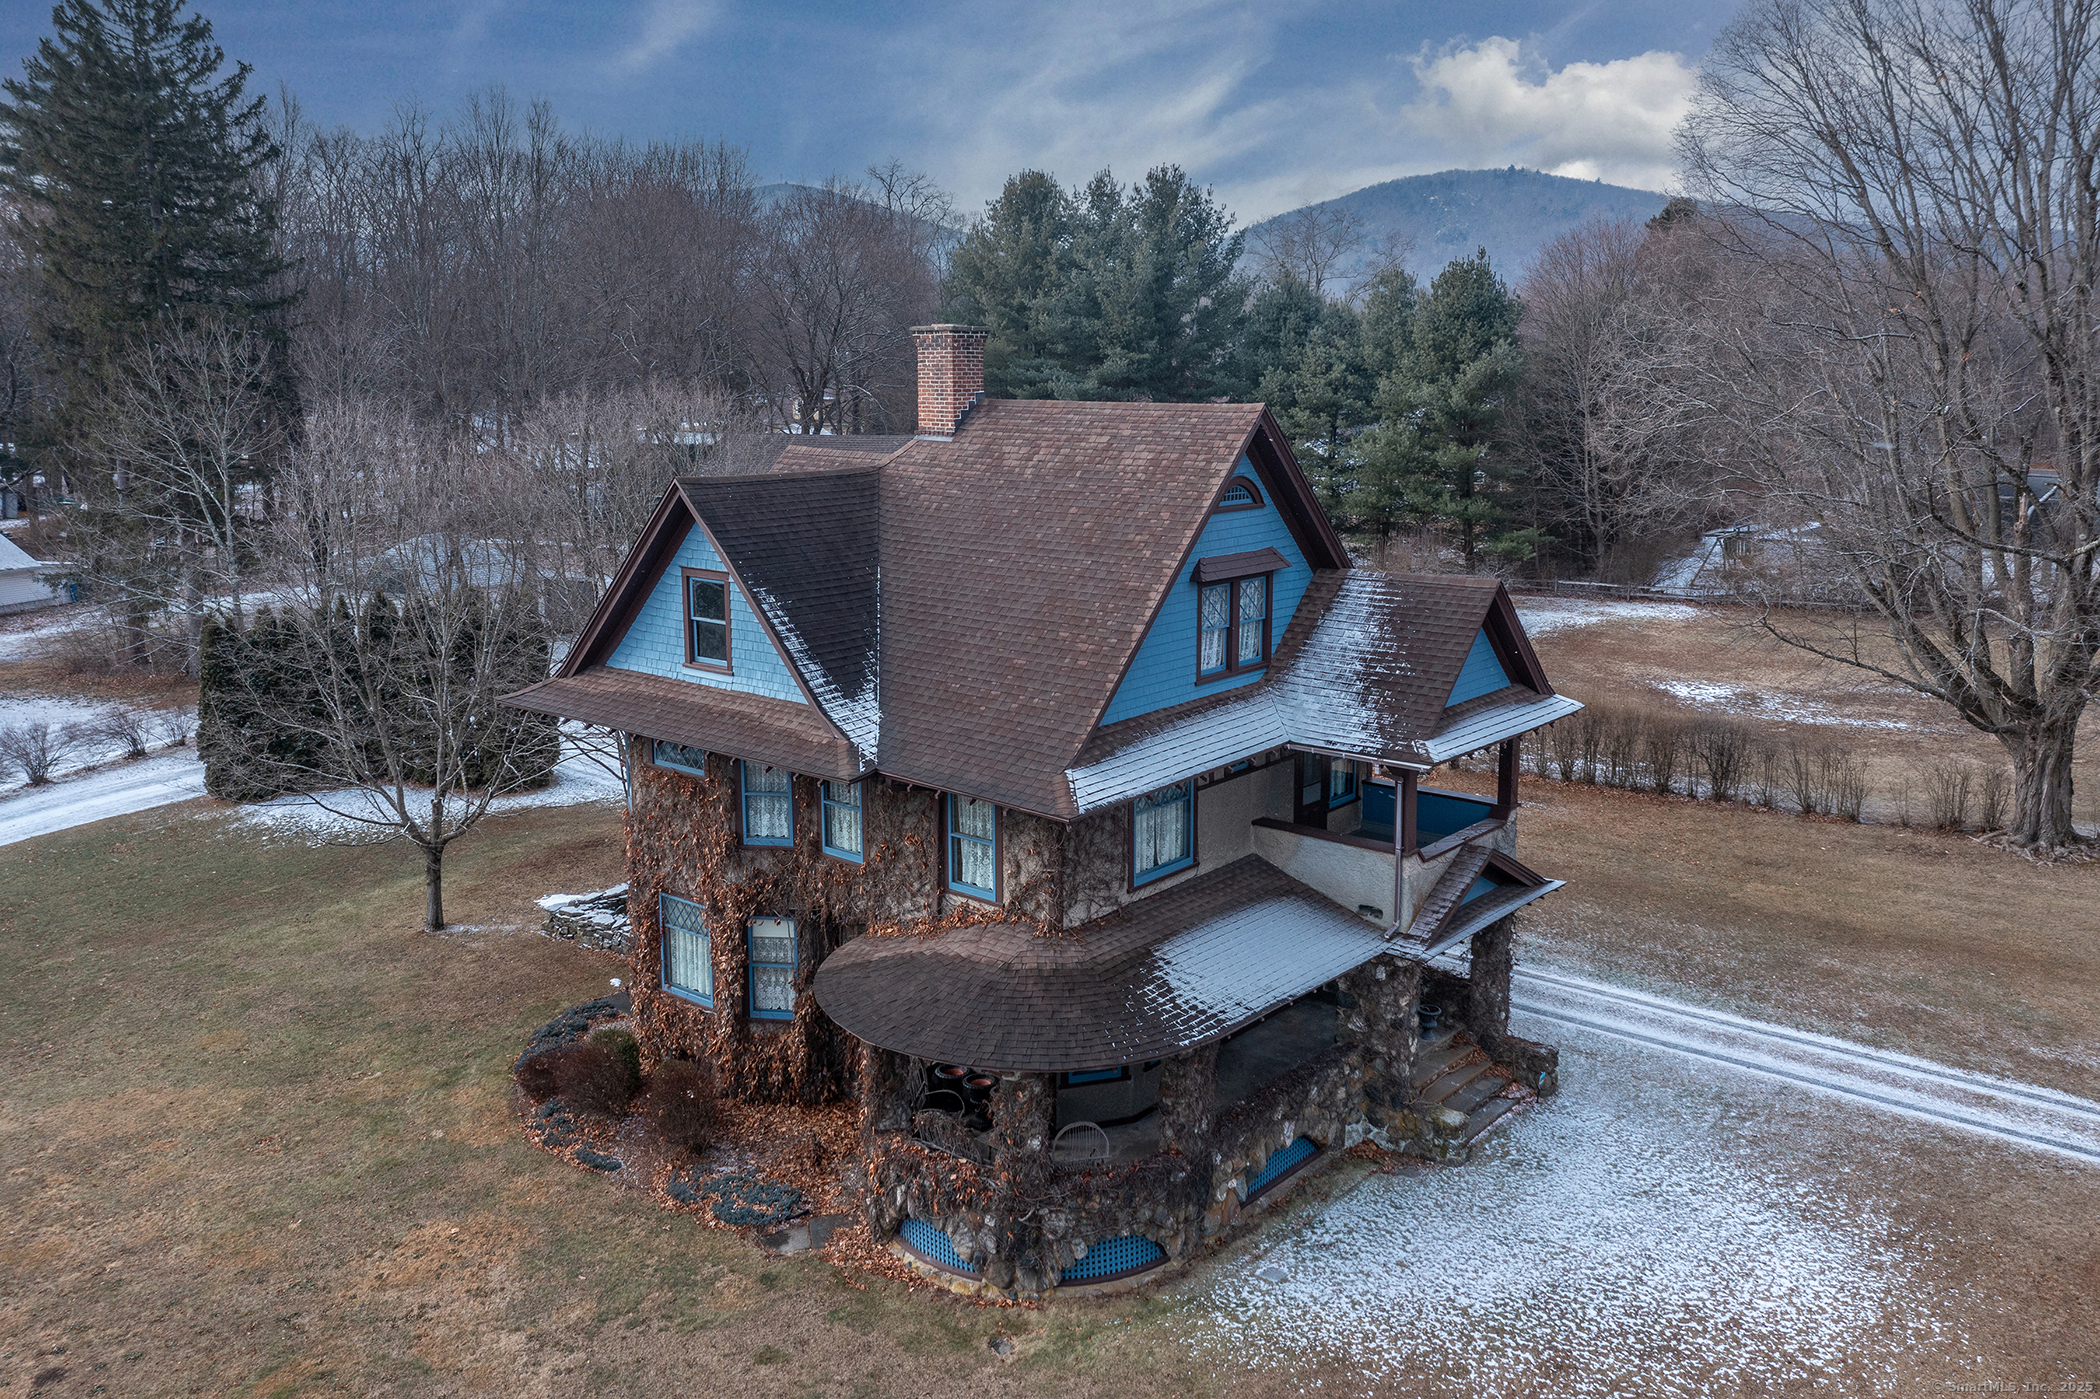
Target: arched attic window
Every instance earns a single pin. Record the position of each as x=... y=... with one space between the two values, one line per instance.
x=1240 y=494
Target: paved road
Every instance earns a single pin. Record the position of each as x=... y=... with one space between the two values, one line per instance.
x=115 y=791
x=2030 y=1116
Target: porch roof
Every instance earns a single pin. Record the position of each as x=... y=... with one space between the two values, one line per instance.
x=1162 y=976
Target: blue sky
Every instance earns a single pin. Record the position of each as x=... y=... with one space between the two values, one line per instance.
x=1275 y=104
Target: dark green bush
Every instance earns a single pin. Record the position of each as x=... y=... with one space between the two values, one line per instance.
x=682 y=1104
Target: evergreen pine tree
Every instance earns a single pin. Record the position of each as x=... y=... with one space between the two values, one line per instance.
x=134 y=159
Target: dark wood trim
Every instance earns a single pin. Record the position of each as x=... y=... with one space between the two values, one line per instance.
x=1512 y=646
x=1457 y=838
x=1404 y=819
x=1270 y=823
x=1506 y=779
x=1457 y=796
x=685 y=611
x=1286 y=482
x=1220 y=568
x=1233 y=668
x=635 y=579
x=1238 y=479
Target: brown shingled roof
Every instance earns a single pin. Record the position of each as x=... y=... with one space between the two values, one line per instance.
x=1169 y=973
x=779 y=733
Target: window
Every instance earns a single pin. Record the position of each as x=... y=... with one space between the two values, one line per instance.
x=772 y=942
x=1341 y=783
x=1080 y=1076
x=1240 y=494
x=688 y=972
x=1163 y=832
x=973 y=847
x=842 y=819
x=1234 y=621
x=680 y=757
x=769 y=805
x=707 y=619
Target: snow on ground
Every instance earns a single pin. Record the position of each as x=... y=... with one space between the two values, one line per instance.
x=1642 y=1213
x=1722 y=697
x=33 y=633
x=1544 y=615
x=114 y=791
x=578 y=779
x=85 y=749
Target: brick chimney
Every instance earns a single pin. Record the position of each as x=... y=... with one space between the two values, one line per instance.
x=951 y=375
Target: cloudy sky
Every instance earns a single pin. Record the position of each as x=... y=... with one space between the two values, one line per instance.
x=1275 y=103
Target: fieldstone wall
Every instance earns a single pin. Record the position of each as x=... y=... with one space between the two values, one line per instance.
x=1487 y=990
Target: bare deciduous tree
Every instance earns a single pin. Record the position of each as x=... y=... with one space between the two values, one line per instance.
x=1910 y=350
x=405 y=614
x=1308 y=245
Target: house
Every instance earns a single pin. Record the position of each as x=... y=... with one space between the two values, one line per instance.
x=24 y=581
x=1051 y=783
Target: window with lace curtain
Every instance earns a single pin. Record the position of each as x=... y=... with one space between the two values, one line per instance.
x=842 y=820
x=973 y=847
x=772 y=959
x=687 y=971
x=769 y=804
x=1163 y=832
x=1233 y=618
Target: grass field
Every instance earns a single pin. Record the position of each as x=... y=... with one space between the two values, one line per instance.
x=260 y=1136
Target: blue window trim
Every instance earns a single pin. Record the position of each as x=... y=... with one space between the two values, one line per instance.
x=663 y=950
x=859 y=804
x=955 y=885
x=1083 y=1076
x=744 y=796
x=1146 y=876
x=1355 y=791
x=656 y=757
x=752 y=964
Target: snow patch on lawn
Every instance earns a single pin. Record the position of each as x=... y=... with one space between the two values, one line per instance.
x=350 y=814
x=84 y=749
x=1602 y=1230
x=1725 y=698
x=36 y=632
x=1544 y=615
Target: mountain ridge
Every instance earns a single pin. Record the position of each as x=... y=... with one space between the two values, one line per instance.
x=1511 y=212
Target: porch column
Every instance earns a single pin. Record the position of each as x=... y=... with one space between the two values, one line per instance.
x=1186 y=1085
x=1487 y=986
x=1506 y=779
x=1403 y=846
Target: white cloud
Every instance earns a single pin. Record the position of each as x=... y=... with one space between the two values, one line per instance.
x=665 y=25
x=1610 y=121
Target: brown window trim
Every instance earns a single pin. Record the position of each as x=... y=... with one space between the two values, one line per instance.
x=1233 y=668
x=998 y=897
x=1252 y=489
x=685 y=619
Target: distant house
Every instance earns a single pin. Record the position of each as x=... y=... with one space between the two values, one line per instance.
x=1753 y=559
x=25 y=582
x=1051 y=785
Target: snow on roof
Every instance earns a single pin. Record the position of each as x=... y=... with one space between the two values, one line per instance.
x=14 y=560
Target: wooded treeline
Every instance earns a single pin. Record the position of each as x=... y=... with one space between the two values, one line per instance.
x=1874 y=334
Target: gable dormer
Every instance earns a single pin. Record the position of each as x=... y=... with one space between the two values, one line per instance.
x=1232 y=599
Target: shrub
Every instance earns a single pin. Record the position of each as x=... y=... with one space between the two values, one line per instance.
x=1992 y=795
x=682 y=1104
x=595 y=1078
x=628 y=1048
x=1842 y=779
x=1721 y=747
x=1947 y=795
x=537 y=1075
x=34 y=749
x=128 y=725
x=1663 y=752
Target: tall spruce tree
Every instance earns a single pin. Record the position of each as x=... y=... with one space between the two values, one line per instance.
x=1439 y=407
x=1103 y=292
x=134 y=158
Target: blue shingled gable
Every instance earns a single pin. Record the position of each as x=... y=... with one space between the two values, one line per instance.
x=1164 y=671
x=1482 y=673
x=654 y=642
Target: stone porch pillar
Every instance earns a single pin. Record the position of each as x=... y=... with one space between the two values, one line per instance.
x=1186 y=1086
x=1487 y=992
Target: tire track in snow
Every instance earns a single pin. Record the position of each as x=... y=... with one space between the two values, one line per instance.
x=2023 y=1113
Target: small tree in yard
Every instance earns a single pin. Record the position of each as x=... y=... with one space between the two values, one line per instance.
x=1908 y=345
x=388 y=713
